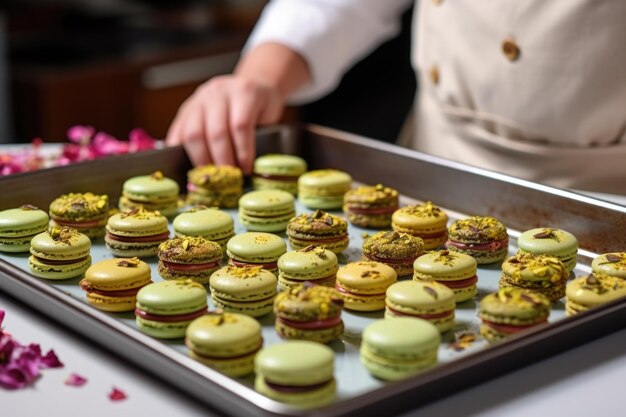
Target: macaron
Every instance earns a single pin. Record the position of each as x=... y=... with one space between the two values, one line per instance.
x=137 y=232
x=19 y=225
x=226 y=342
x=153 y=192
x=363 y=285
x=266 y=210
x=314 y=264
x=319 y=229
x=214 y=186
x=370 y=206
x=396 y=249
x=535 y=273
x=426 y=300
x=510 y=311
x=593 y=290
x=164 y=309
x=399 y=347
x=552 y=242
x=60 y=253
x=256 y=249
x=85 y=212
x=456 y=271
x=193 y=258
x=113 y=284
x=612 y=264
x=299 y=373
x=209 y=223
x=248 y=290
x=426 y=221
x=483 y=238
x=309 y=312
x=278 y=172
x=323 y=188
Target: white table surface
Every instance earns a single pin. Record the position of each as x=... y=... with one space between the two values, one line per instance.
x=584 y=381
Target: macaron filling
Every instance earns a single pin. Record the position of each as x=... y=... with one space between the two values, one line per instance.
x=345 y=291
x=510 y=328
x=376 y=210
x=395 y=261
x=463 y=283
x=296 y=388
x=152 y=238
x=431 y=316
x=491 y=246
x=86 y=286
x=60 y=261
x=312 y=324
x=318 y=281
x=274 y=177
x=170 y=318
x=190 y=267
x=77 y=224
x=268 y=265
x=243 y=355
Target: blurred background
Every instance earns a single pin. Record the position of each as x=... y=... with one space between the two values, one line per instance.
x=121 y=64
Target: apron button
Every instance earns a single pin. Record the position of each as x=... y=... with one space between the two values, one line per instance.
x=433 y=73
x=510 y=49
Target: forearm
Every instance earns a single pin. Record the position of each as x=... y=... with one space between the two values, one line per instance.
x=276 y=66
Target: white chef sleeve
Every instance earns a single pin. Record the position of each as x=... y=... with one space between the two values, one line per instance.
x=331 y=35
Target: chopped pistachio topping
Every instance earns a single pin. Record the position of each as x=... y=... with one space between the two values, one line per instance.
x=547 y=234
x=28 y=207
x=129 y=262
x=431 y=291
x=244 y=271
x=157 y=175
x=428 y=209
x=63 y=234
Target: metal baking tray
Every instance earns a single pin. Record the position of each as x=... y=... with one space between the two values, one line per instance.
x=459 y=189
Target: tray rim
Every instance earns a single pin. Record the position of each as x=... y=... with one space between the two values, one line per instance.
x=24 y=286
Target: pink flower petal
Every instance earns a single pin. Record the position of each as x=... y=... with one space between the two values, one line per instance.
x=50 y=360
x=104 y=144
x=75 y=380
x=80 y=134
x=2 y=314
x=140 y=140
x=117 y=395
x=14 y=377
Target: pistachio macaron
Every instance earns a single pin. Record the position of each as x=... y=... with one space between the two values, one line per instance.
x=314 y=264
x=214 y=186
x=398 y=347
x=85 y=212
x=209 y=223
x=552 y=242
x=535 y=273
x=164 y=309
x=309 y=312
x=112 y=285
x=426 y=221
x=591 y=291
x=396 y=249
x=612 y=264
x=363 y=285
x=455 y=270
x=248 y=290
x=297 y=372
x=226 y=342
x=370 y=206
x=193 y=258
x=154 y=192
x=319 y=229
x=19 y=225
x=323 y=188
x=137 y=232
x=427 y=300
x=278 y=172
x=511 y=310
x=266 y=210
x=60 y=253
x=482 y=237
x=256 y=249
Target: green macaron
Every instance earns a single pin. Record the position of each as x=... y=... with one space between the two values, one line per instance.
x=137 y=232
x=455 y=270
x=193 y=258
x=256 y=249
x=612 y=264
x=552 y=242
x=153 y=192
x=299 y=373
x=314 y=264
x=591 y=291
x=396 y=348
x=266 y=210
x=19 y=225
x=246 y=290
x=165 y=309
x=396 y=249
x=225 y=341
x=278 y=172
x=210 y=223
x=85 y=212
x=323 y=188
x=59 y=253
x=535 y=273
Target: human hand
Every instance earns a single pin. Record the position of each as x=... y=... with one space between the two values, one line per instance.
x=216 y=123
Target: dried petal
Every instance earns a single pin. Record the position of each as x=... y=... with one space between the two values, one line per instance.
x=431 y=291
x=104 y=144
x=75 y=380
x=80 y=134
x=117 y=394
x=50 y=360
x=139 y=140
x=611 y=257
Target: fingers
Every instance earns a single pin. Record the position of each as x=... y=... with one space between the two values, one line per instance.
x=193 y=137
x=244 y=114
x=218 y=132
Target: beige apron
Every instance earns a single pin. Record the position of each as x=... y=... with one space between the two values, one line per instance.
x=531 y=88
